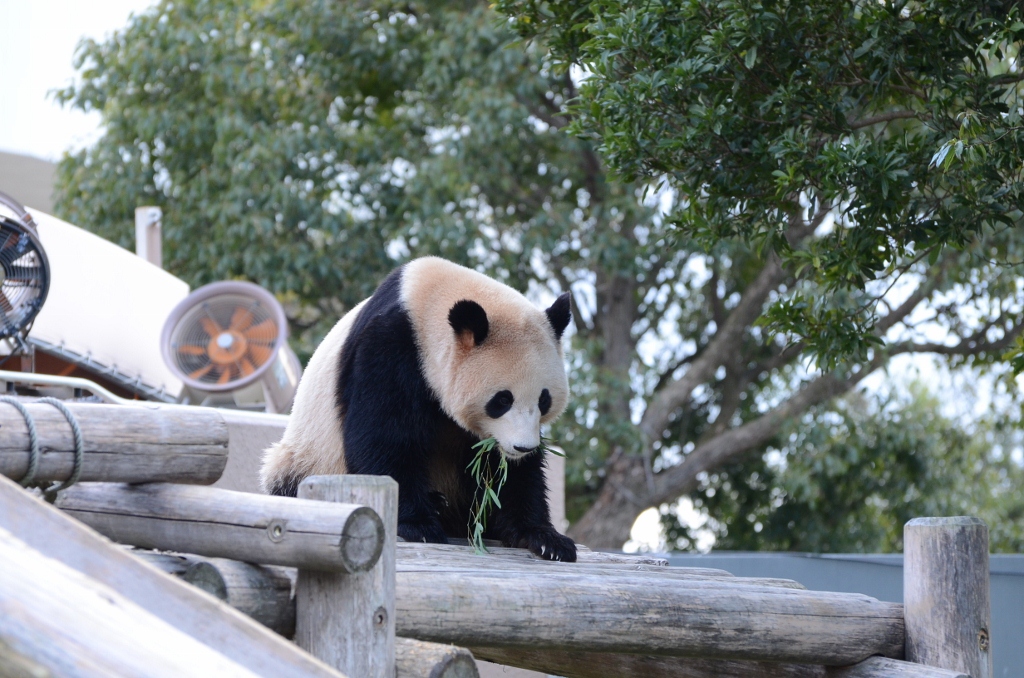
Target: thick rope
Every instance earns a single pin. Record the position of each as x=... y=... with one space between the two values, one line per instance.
x=33 y=440
x=76 y=431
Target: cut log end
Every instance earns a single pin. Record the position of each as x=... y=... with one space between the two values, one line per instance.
x=420 y=659
x=362 y=539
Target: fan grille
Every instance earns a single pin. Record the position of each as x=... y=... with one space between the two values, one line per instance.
x=26 y=278
x=224 y=339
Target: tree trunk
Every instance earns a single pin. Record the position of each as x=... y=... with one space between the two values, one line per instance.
x=606 y=524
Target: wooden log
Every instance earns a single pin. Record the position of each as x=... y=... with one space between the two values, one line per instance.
x=226 y=524
x=584 y=556
x=946 y=594
x=129 y=444
x=71 y=625
x=611 y=665
x=419 y=659
x=714 y=619
x=263 y=592
x=883 y=667
x=349 y=621
x=193 y=612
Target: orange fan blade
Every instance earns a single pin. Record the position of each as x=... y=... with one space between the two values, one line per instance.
x=210 y=326
x=189 y=349
x=246 y=367
x=240 y=319
x=225 y=376
x=265 y=331
x=5 y=303
x=260 y=354
x=201 y=372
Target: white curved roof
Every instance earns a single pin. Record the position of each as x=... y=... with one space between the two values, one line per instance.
x=106 y=304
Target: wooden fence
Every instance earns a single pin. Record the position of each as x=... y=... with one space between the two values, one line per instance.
x=233 y=575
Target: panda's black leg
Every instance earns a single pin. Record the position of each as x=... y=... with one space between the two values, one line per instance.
x=391 y=451
x=524 y=520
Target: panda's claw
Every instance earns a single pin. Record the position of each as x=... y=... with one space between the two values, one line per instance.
x=549 y=544
x=426 y=532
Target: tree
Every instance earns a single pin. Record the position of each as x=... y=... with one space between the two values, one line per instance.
x=845 y=478
x=311 y=146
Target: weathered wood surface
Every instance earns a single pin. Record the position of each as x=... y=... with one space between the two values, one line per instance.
x=583 y=554
x=263 y=592
x=714 y=619
x=71 y=625
x=883 y=667
x=47 y=530
x=946 y=593
x=226 y=524
x=611 y=665
x=349 y=621
x=126 y=444
x=419 y=659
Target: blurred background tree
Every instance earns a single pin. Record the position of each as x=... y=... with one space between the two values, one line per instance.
x=775 y=228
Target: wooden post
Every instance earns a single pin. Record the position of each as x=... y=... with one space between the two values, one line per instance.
x=946 y=594
x=348 y=620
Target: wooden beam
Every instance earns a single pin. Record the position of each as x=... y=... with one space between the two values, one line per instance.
x=253 y=528
x=883 y=667
x=349 y=621
x=620 y=614
x=121 y=443
x=608 y=664
x=58 y=619
x=419 y=659
x=55 y=535
x=946 y=593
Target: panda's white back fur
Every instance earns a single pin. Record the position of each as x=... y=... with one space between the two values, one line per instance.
x=520 y=346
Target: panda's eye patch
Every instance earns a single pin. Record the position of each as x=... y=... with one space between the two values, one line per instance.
x=545 y=402
x=499 y=404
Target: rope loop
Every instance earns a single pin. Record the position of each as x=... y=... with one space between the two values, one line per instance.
x=76 y=431
x=33 y=440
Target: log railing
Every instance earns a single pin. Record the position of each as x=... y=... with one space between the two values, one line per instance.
x=325 y=569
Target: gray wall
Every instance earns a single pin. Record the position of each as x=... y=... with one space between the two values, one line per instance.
x=881 y=576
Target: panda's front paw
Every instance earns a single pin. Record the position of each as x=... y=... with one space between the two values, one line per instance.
x=429 y=531
x=549 y=544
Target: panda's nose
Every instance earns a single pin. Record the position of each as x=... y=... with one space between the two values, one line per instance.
x=520 y=448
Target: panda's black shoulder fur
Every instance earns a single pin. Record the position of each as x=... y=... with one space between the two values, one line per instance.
x=394 y=425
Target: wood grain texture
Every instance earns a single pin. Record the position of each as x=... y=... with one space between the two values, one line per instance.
x=419 y=659
x=713 y=619
x=122 y=443
x=946 y=593
x=72 y=625
x=349 y=621
x=47 y=530
x=883 y=667
x=226 y=524
x=263 y=592
x=610 y=665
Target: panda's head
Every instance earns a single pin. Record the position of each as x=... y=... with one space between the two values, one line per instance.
x=508 y=373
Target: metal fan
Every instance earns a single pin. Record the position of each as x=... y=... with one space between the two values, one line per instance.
x=25 y=271
x=227 y=335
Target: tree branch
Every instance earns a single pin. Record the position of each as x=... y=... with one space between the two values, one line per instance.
x=883 y=117
x=725 y=342
x=728 y=446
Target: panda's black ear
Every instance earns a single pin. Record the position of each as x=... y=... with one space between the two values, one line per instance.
x=468 y=318
x=559 y=314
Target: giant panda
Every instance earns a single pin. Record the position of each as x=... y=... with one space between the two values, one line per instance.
x=437 y=359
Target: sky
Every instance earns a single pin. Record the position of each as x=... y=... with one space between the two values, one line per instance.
x=36 y=54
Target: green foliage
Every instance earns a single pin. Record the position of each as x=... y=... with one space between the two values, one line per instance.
x=903 y=118
x=488 y=486
x=845 y=479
